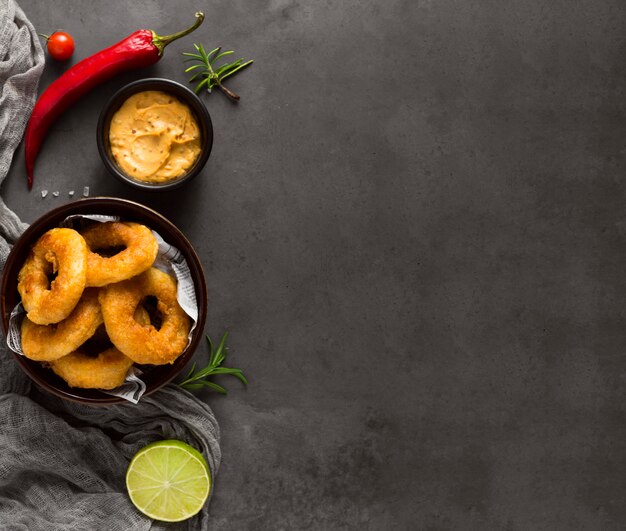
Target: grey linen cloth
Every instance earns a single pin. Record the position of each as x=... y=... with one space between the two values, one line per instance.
x=62 y=465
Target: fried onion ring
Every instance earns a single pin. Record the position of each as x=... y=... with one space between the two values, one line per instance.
x=140 y=251
x=108 y=370
x=60 y=251
x=144 y=343
x=51 y=342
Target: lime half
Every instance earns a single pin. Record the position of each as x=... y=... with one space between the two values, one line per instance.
x=168 y=481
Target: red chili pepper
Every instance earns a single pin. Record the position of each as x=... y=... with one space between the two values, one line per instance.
x=142 y=48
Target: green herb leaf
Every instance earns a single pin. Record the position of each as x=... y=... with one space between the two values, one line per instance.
x=226 y=68
x=218 y=357
x=243 y=379
x=225 y=370
x=231 y=72
x=197 y=379
x=211 y=77
x=193 y=67
x=223 y=54
x=215 y=387
x=201 y=84
x=192 y=386
x=212 y=52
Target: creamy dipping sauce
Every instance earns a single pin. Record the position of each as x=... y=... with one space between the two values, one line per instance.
x=154 y=137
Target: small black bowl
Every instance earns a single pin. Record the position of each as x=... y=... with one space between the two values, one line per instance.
x=182 y=93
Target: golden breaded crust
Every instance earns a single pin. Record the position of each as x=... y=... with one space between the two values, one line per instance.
x=144 y=343
x=62 y=251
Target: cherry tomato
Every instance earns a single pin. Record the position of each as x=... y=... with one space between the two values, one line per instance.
x=60 y=45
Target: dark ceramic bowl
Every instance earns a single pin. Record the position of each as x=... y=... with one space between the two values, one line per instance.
x=182 y=93
x=154 y=376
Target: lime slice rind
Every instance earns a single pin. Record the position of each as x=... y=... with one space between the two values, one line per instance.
x=168 y=481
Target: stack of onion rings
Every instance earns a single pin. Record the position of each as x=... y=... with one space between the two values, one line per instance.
x=89 y=290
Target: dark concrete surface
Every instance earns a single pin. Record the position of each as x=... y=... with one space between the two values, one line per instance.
x=413 y=226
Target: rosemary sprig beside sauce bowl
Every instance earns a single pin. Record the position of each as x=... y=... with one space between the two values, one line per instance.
x=211 y=76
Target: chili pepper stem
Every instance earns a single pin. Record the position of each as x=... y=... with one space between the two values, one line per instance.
x=162 y=41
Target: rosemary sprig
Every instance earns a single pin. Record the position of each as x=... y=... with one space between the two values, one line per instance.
x=209 y=74
x=198 y=379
